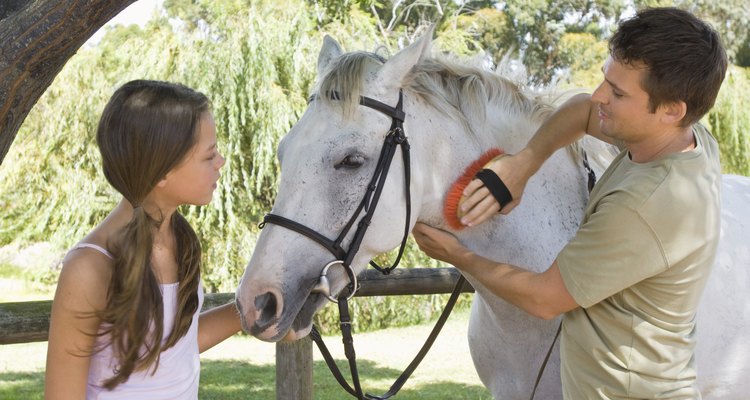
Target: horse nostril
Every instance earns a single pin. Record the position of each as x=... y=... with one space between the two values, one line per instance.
x=266 y=304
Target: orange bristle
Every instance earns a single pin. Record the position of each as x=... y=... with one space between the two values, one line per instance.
x=454 y=196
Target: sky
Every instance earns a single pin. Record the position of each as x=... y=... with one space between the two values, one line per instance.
x=137 y=13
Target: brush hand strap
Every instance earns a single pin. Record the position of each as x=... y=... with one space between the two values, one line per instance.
x=496 y=186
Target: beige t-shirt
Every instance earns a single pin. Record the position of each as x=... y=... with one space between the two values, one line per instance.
x=637 y=267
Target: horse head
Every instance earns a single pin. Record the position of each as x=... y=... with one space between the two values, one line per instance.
x=328 y=159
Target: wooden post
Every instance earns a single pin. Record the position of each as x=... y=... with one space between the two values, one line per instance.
x=294 y=362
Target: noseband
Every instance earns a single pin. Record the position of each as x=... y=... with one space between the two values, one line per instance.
x=394 y=138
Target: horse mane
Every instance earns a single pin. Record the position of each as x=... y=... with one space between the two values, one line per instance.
x=464 y=90
x=456 y=88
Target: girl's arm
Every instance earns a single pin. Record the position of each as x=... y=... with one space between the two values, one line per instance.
x=81 y=290
x=217 y=324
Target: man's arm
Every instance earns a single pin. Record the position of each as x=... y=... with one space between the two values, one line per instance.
x=542 y=295
x=568 y=123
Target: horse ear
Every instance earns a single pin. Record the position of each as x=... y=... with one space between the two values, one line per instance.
x=396 y=68
x=330 y=51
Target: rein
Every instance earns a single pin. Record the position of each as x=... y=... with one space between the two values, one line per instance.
x=394 y=138
x=591 y=181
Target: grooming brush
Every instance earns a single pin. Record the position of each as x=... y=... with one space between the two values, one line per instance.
x=455 y=196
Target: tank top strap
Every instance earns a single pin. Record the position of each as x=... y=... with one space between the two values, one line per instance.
x=95 y=247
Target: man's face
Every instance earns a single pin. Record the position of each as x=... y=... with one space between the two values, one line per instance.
x=623 y=104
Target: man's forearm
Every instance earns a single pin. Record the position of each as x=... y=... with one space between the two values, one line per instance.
x=515 y=285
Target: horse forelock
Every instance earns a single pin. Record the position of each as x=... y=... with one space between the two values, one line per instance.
x=346 y=78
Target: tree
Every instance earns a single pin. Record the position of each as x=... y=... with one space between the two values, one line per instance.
x=539 y=25
x=36 y=40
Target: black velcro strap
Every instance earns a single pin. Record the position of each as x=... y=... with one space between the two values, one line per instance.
x=495 y=185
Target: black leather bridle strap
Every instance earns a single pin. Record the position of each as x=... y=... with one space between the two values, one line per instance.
x=349 y=352
x=589 y=171
x=407 y=189
x=372 y=196
x=544 y=363
x=396 y=113
x=329 y=244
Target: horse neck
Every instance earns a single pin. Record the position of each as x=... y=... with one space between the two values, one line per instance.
x=554 y=198
x=444 y=147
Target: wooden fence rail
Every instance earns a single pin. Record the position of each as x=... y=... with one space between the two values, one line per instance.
x=24 y=322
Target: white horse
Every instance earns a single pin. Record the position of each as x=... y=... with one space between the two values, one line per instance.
x=454 y=113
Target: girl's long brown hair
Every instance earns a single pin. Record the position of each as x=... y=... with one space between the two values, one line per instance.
x=147 y=129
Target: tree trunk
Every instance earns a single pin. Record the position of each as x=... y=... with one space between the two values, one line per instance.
x=37 y=37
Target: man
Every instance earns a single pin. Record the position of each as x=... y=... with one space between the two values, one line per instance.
x=629 y=281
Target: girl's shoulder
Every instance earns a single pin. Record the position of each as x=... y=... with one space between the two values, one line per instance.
x=86 y=272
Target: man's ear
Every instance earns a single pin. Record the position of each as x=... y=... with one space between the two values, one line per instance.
x=674 y=112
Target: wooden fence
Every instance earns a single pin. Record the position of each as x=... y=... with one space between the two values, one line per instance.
x=25 y=322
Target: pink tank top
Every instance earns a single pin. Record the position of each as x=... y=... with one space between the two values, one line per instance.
x=178 y=374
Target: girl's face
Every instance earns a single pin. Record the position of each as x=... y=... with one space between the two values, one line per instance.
x=193 y=181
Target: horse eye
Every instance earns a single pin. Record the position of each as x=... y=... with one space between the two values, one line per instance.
x=351 y=161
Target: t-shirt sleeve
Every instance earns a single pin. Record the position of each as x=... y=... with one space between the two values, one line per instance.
x=614 y=249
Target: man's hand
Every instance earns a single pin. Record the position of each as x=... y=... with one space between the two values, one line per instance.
x=479 y=205
x=439 y=244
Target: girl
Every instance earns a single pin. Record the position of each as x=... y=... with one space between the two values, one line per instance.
x=126 y=319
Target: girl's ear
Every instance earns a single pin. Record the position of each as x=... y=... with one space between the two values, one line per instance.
x=163 y=181
x=674 y=112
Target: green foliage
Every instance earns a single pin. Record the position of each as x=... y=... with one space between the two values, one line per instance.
x=729 y=121
x=584 y=55
x=490 y=31
x=539 y=25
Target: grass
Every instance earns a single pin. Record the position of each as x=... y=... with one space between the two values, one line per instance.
x=243 y=367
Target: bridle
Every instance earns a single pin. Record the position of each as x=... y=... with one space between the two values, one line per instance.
x=394 y=138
